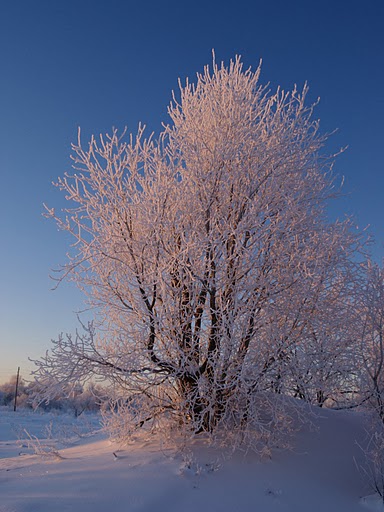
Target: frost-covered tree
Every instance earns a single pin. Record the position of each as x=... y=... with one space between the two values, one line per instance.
x=369 y=333
x=368 y=325
x=206 y=255
x=8 y=390
x=323 y=367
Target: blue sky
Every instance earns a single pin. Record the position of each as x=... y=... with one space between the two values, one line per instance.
x=103 y=63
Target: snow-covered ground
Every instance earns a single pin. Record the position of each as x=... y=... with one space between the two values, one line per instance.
x=55 y=463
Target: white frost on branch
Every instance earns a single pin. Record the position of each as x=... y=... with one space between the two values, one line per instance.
x=210 y=260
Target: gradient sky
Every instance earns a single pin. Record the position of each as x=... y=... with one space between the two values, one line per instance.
x=103 y=63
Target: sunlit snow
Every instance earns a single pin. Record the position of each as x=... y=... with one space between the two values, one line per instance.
x=59 y=463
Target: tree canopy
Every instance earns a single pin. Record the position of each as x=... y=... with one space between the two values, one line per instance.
x=216 y=277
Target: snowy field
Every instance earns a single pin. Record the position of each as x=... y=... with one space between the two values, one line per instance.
x=56 y=463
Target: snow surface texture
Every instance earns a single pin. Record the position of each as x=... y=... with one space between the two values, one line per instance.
x=57 y=463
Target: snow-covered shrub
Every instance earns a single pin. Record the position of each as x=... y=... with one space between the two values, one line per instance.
x=369 y=332
x=8 y=389
x=207 y=256
x=372 y=469
x=74 y=399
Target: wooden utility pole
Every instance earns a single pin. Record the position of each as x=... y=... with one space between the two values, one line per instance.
x=17 y=387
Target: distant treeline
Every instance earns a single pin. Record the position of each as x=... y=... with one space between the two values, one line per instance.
x=76 y=400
